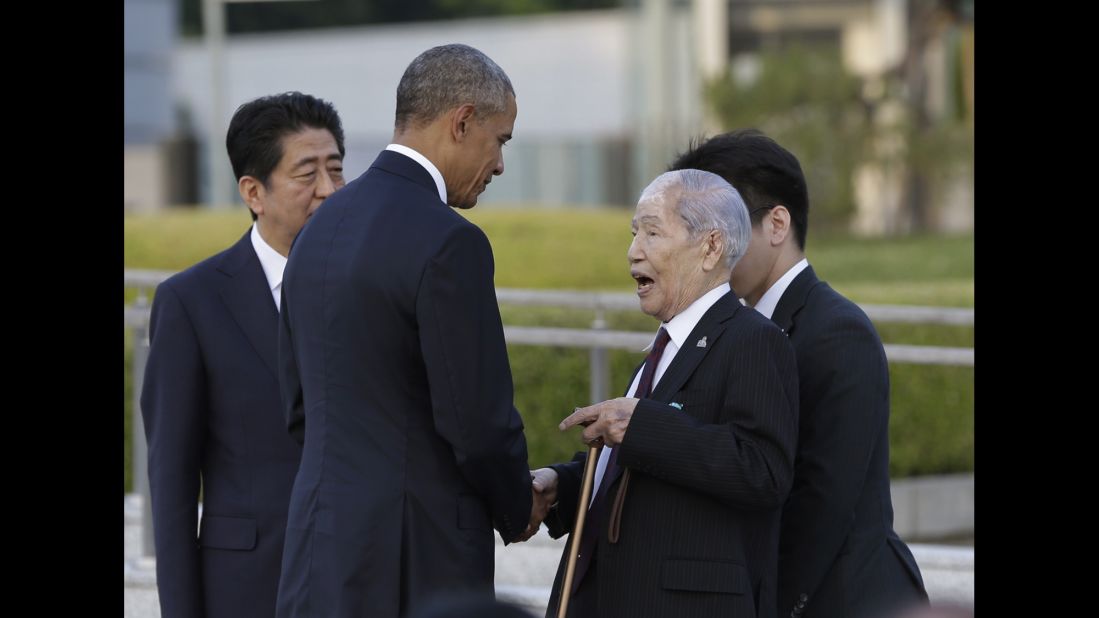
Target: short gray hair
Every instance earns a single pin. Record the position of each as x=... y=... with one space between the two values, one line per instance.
x=446 y=77
x=706 y=202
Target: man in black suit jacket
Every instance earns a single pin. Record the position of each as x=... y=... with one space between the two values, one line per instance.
x=211 y=402
x=393 y=364
x=690 y=527
x=839 y=555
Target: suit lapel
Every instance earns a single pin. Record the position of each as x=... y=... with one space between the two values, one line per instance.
x=711 y=326
x=248 y=298
x=793 y=299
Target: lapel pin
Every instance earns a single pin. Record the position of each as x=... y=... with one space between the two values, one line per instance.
x=676 y=405
x=702 y=342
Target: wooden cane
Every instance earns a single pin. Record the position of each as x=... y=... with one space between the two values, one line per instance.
x=578 y=529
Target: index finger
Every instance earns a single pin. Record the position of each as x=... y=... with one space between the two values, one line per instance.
x=579 y=416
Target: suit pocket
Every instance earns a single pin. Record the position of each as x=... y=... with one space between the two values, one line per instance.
x=700 y=402
x=227 y=533
x=472 y=514
x=704 y=576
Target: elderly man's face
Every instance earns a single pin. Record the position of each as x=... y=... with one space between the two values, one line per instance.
x=482 y=157
x=665 y=262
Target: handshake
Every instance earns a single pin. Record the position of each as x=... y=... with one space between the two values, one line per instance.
x=604 y=423
x=544 y=488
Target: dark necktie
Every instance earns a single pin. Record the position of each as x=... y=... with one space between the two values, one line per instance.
x=591 y=531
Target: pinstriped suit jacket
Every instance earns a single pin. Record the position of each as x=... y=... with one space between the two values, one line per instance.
x=699 y=527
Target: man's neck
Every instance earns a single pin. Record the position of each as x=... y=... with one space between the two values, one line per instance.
x=270 y=240
x=424 y=141
x=786 y=260
x=782 y=266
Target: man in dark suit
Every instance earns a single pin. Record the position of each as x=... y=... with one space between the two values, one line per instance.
x=211 y=402
x=839 y=555
x=698 y=456
x=393 y=364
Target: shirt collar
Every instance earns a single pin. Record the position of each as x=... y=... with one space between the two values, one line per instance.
x=272 y=261
x=770 y=298
x=680 y=327
x=436 y=175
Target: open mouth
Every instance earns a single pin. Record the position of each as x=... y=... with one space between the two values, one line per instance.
x=644 y=284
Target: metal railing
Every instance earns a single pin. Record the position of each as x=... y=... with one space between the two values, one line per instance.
x=598 y=339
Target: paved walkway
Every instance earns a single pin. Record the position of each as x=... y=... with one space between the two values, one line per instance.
x=524 y=572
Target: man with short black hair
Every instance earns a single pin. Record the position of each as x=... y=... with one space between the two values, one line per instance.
x=210 y=399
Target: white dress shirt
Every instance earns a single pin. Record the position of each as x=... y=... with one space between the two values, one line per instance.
x=273 y=264
x=679 y=328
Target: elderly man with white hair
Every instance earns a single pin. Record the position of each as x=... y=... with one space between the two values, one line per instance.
x=697 y=458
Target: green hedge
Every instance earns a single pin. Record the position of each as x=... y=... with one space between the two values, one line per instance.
x=931 y=428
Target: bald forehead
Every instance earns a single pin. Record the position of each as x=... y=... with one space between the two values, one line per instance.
x=653 y=207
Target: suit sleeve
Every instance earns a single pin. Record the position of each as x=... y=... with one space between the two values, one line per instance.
x=174 y=409
x=847 y=376
x=562 y=515
x=745 y=462
x=289 y=377
x=462 y=342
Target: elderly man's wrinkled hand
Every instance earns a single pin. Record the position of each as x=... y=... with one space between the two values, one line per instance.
x=604 y=423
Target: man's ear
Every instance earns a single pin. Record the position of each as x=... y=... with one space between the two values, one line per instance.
x=460 y=119
x=780 y=221
x=713 y=248
x=251 y=191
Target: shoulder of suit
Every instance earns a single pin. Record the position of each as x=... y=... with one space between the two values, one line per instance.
x=465 y=232
x=826 y=308
x=422 y=195
x=197 y=276
x=750 y=320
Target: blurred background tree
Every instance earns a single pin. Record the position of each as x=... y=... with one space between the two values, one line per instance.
x=803 y=98
x=839 y=124
x=939 y=141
